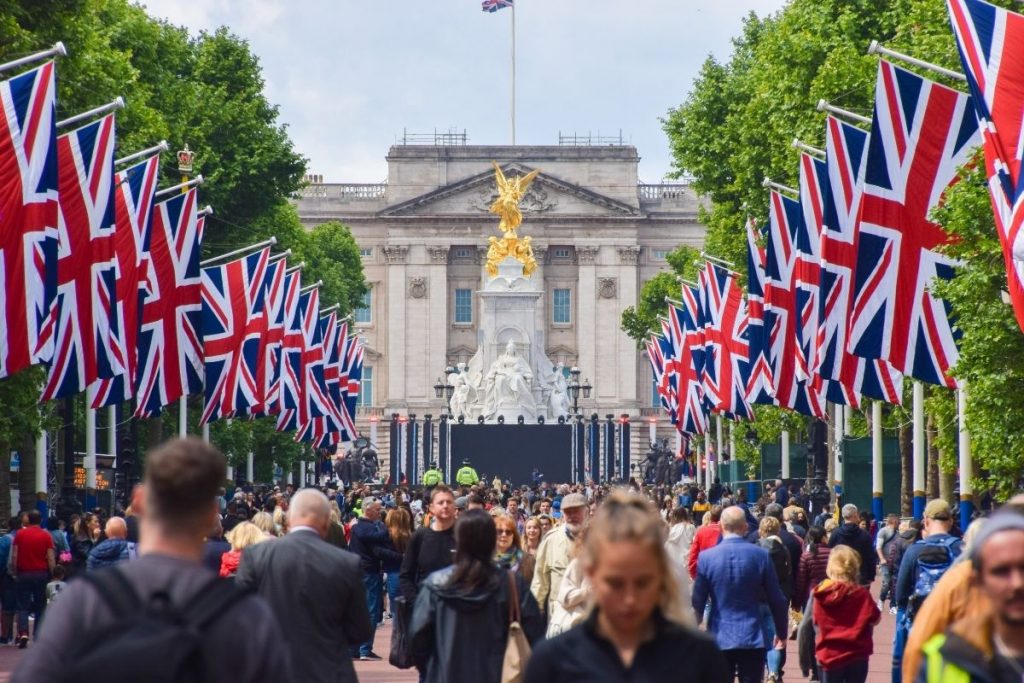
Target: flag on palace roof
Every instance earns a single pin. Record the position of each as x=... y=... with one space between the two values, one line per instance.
x=28 y=222
x=495 y=5
x=991 y=42
x=922 y=132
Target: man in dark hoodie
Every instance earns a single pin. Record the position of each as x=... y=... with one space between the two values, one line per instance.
x=852 y=535
x=112 y=550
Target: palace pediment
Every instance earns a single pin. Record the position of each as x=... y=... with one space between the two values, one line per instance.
x=546 y=196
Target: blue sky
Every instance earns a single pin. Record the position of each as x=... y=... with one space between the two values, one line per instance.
x=350 y=76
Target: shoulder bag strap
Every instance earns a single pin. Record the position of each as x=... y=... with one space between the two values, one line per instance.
x=115 y=590
x=211 y=601
x=513 y=599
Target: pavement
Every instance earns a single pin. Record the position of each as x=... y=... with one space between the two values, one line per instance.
x=879 y=667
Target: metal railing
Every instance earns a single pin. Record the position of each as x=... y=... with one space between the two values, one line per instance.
x=345 y=191
x=672 y=191
x=450 y=138
x=369 y=411
x=590 y=140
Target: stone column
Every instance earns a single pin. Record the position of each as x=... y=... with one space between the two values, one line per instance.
x=438 y=304
x=393 y=309
x=586 y=321
x=540 y=253
x=628 y=357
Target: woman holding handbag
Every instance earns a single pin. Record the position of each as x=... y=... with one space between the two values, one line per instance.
x=461 y=621
x=636 y=629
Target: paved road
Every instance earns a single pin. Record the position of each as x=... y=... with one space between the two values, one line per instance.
x=381 y=672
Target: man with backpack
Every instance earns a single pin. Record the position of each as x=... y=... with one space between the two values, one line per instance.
x=923 y=564
x=163 y=616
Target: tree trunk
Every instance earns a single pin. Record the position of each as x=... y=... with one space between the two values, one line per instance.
x=907 y=467
x=932 y=470
x=5 y=484
x=27 y=494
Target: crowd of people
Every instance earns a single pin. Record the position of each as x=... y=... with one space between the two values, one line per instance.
x=604 y=583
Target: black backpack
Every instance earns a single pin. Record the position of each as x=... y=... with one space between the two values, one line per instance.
x=148 y=640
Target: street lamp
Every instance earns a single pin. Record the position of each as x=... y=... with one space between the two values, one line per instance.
x=443 y=389
x=575 y=387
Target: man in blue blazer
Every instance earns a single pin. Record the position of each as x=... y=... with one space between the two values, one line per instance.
x=739 y=577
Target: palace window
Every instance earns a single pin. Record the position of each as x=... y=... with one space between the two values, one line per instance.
x=366 y=253
x=463 y=252
x=659 y=254
x=463 y=306
x=561 y=306
x=561 y=252
x=655 y=397
x=363 y=313
x=365 y=398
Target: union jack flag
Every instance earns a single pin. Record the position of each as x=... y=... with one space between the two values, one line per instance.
x=668 y=342
x=692 y=418
x=813 y=185
x=133 y=208
x=325 y=430
x=847 y=376
x=495 y=5
x=759 y=389
x=921 y=133
x=82 y=320
x=314 y=400
x=348 y=422
x=28 y=217
x=355 y=379
x=170 y=349
x=233 y=308
x=292 y=345
x=781 y=317
x=655 y=354
x=270 y=333
x=726 y=349
x=990 y=41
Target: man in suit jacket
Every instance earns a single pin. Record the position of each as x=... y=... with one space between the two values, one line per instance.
x=315 y=591
x=731 y=574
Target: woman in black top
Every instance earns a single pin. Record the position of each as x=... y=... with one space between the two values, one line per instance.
x=636 y=630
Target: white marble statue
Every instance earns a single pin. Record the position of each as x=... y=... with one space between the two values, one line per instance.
x=460 y=395
x=507 y=387
x=558 y=402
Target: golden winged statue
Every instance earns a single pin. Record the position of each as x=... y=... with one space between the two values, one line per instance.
x=510 y=193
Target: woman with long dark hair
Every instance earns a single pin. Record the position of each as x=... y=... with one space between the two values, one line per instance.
x=460 y=622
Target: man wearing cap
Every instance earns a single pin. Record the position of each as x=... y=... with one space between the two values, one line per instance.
x=935 y=548
x=553 y=554
x=987 y=646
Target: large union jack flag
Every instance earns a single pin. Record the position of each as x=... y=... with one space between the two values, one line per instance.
x=759 y=388
x=655 y=356
x=28 y=217
x=847 y=376
x=133 y=208
x=726 y=349
x=807 y=273
x=82 y=320
x=781 y=316
x=325 y=430
x=270 y=332
x=348 y=419
x=292 y=345
x=692 y=418
x=233 y=311
x=991 y=42
x=921 y=133
x=170 y=349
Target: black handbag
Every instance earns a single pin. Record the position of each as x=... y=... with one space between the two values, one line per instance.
x=401 y=645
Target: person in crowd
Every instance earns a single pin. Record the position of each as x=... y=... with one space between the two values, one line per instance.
x=8 y=588
x=509 y=553
x=84 y=535
x=216 y=546
x=239 y=538
x=553 y=555
x=516 y=513
x=793 y=543
x=813 y=563
x=56 y=585
x=32 y=560
x=956 y=596
x=886 y=537
x=264 y=521
x=738 y=577
x=768 y=532
x=113 y=549
x=546 y=524
x=544 y=507
x=430 y=547
x=323 y=613
x=845 y=616
x=460 y=621
x=369 y=535
x=176 y=508
x=987 y=647
x=921 y=567
x=680 y=539
x=61 y=546
x=635 y=630
x=700 y=505
x=707 y=536
x=336 y=530
x=851 y=534
x=569 y=606
x=531 y=535
x=392 y=551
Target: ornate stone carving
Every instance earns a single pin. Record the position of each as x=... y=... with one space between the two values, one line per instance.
x=607 y=287
x=535 y=200
x=586 y=255
x=438 y=254
x=395 y=253
x=540 y=253
x=418 y=287
x=629 y=255
x=481 y=254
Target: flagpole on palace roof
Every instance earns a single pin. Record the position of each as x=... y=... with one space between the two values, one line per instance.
x=513 y=74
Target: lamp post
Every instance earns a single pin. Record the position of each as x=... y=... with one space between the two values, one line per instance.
x=442 y=389
x=575 y=387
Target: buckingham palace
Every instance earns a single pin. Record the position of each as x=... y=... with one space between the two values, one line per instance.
x=598 y=234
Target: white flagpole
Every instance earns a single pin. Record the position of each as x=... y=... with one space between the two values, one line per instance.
x=513 y=74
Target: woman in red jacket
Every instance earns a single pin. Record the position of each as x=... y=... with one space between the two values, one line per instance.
x=845 y=615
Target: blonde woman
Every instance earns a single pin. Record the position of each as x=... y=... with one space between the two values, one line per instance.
x=240 y=538
x=265 y=523
x=845 y=615
x=531 y=535
x=635 y=629
x=280 y=521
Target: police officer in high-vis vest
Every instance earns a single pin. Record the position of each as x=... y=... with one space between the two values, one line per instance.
x=433 y=476
x=466 y=476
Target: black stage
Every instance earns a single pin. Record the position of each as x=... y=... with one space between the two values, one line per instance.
x=512 y=451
